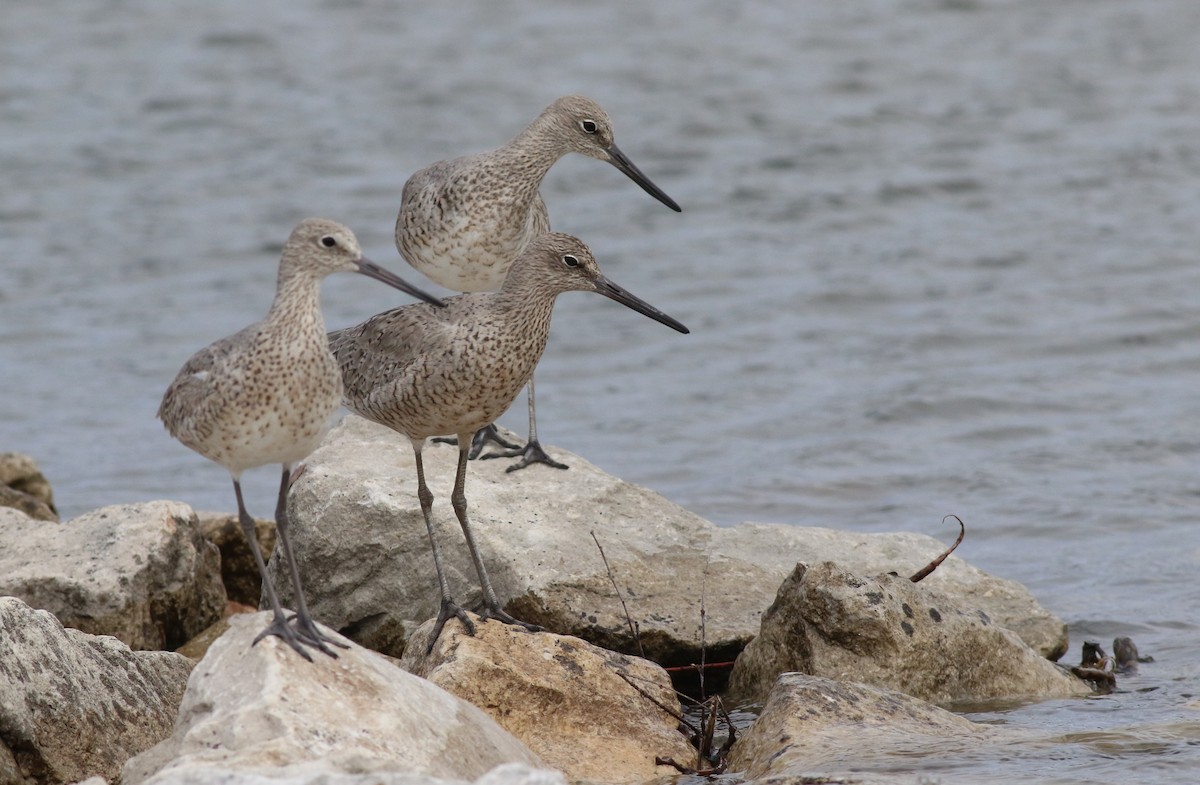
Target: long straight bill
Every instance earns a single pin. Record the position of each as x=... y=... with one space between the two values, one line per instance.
x=372 y=270
x=622 y=162
x=614 y=292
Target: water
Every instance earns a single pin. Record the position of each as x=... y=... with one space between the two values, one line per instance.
x=937 y=257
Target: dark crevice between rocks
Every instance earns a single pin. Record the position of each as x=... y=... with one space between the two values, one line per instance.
x=678 y=657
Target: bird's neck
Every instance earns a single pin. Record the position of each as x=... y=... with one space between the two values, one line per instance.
x=526 y=296
x=297 y=303
x=534 y=150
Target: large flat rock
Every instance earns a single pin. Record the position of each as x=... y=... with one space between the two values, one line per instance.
x=364 y=555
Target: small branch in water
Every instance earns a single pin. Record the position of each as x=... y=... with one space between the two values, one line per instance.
x=674 y=714
x=633 y=627
x=925 y=571
x=723 y=753
x=713 y=709
x=695 y=772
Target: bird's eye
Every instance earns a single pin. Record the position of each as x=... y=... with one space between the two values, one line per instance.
x=328 y=241
x=588 y=126
x=570 y=261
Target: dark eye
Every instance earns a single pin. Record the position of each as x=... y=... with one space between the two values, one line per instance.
x=328 y=241
x=570 y=261
x=588 y=126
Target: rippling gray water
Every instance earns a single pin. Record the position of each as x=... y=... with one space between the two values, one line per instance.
x=937 y=257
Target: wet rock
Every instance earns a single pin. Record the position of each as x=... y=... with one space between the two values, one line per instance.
x=566 y=699
x=1125 y=653
x=370 y=574
x=264 y=710
x=239 y=572
x=139 y=572
x=24 y=487
x=813 y=727
x=890 y=632
x=74 y=705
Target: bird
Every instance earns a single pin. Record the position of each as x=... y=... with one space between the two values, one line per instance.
x=266 y=394
x=425 y=372
x=462 y=222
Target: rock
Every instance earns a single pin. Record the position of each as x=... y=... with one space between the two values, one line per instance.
x=74 y=705
x=264 y=710
x=364 y=557
x=30 y=505
x=813 y=727
x=1007 y=603
x=318 y=774
x=890 y=632
x=564 y=698
x=139 y=572
x=24 y=487
x=239 y=572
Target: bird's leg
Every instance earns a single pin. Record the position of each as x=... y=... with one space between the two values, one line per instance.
x=458 y=499
x=532 y=452
x=449 y=607
x=304 y=621
x=278 y=626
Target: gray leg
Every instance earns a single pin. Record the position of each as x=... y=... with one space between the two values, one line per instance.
x=449 y=606
x=304 y=622
x=458 y=499
x=278 y=626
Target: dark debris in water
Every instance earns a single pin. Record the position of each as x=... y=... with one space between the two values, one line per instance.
x=1100 y=669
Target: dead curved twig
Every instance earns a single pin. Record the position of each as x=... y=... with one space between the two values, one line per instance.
x=933 y=565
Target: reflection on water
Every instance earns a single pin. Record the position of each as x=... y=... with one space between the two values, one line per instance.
x=937 y=257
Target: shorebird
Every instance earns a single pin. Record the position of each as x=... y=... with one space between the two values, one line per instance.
x=462 y=222
x=266 y=394
x=425 y=371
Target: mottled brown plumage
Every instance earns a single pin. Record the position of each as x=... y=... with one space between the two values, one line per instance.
x=462 y=222
x=266 y=393
x=428 y=372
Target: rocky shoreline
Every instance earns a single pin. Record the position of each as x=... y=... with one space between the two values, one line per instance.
x=849 y=664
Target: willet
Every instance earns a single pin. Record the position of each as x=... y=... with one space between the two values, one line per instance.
x=462 y=222
x=266 y=394
x=426 y=371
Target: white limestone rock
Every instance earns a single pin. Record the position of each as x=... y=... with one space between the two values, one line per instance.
x=139 y=572
x=263 y=710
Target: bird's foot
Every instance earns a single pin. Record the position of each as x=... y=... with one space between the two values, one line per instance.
x=530 y=454
x=312 y=635
x=499 y=614
x=449 y=608
x=486 y=434
x=292 y=637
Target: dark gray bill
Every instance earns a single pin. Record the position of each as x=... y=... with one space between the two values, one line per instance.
x=614 y=292
x=622 y=162
x=372 y=270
